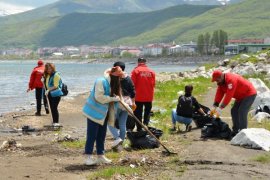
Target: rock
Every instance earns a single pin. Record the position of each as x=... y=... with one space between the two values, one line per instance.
x=261 y=116
x=244 y=56
x=244 y=69
x=259 y=85
x=174 y=76
x=202 y=68
x=224 y=62
x=234 y=64
x=261 y=99
x=179 y=93
x=64 y=138
x=264 y=55
x=10 y=145
x=255 y=138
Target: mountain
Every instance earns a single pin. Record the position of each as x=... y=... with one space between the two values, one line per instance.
x=64 y=7
x=183 y=23
x=81 y=28
x=249 y=19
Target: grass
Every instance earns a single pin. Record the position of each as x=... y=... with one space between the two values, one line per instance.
x=166 y=93
x=264 y=124
x=262 y=158
x=110 y=172
x=74 y=145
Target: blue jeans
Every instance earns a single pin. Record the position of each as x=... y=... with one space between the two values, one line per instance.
x=95 y=133
x=122 y=121
x=180 y=119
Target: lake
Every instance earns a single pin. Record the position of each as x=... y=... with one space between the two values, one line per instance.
x=14 y=77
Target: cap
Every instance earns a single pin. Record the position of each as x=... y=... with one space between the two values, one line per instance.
x=120 y=64
x=216 y=74
x=141 y=60
x=40 y=62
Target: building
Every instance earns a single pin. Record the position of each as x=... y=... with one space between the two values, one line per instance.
x=155 y=49
x=246 y=46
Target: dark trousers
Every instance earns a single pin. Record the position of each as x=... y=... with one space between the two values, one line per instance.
x=95 y=133
x=146 y=106
x=239 y=113
x=39 y=96
x=54 y=102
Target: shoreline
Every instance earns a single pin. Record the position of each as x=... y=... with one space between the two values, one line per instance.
x=151 y=60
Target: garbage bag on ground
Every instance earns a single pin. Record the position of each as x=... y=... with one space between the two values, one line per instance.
x=216 y=129
x=142 y=140
x=255 y=138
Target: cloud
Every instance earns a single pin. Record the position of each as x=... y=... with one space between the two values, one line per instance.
x=8 y=9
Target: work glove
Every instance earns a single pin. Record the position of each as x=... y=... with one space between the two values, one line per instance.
x=116 y=99
x=218 y=112
x=133 y=107
x=47 y=92
x=213 y=111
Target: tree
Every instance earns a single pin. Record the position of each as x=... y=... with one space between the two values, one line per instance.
x=200 y=44
x=207 y=38
x=219 y=40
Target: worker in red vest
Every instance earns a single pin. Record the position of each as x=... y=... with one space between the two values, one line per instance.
x=144 y=80
x=37 y=84
x=234 y=86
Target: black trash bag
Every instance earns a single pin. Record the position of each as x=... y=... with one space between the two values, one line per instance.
x=142 y=140
x=217 y=129
x=263 y=108
x=130 y=125
x=201 y=120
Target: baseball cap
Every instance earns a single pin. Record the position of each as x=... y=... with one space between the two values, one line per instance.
x=216 y=74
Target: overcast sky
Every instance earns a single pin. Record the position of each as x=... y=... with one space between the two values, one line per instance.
x=27 y=3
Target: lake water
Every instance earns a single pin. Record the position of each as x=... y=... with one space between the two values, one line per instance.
x=14 y=77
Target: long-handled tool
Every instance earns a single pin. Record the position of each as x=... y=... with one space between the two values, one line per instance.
x=167 y=152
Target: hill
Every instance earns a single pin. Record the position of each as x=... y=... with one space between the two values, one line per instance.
x=249 y=19
x=79 y=28
x=64 y=7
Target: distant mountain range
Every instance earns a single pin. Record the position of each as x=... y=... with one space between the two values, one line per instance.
x=183 y=23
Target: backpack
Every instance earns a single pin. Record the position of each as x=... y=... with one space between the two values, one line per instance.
x=64 y=89
x=217 y=129
x=141 y=139
x=184 y=106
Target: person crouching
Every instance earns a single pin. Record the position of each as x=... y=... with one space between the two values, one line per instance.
x=185 y=108
x=100 y=110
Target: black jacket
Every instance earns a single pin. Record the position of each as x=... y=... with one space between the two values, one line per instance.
x=186 y=110
x=128 y=88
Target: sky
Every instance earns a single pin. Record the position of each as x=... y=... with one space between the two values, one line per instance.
x=8 y=7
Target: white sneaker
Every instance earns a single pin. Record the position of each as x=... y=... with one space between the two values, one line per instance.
x=90 y=161
x=103 y=160
x=56 y=124
x=116 y=143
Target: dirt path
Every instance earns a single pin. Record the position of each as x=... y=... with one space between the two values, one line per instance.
x=217 y=159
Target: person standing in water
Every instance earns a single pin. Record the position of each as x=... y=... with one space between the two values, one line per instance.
x=101 y=109
x=53 y=85
x=144 y=80
x=36 y=83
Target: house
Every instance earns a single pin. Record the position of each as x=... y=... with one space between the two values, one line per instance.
x=133 y=52
x=155 y=49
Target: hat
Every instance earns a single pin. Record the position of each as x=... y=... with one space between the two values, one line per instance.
x=141 y=60
x=40 y=62
x=120 y=64
x=116 y=71
x=216 y=74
